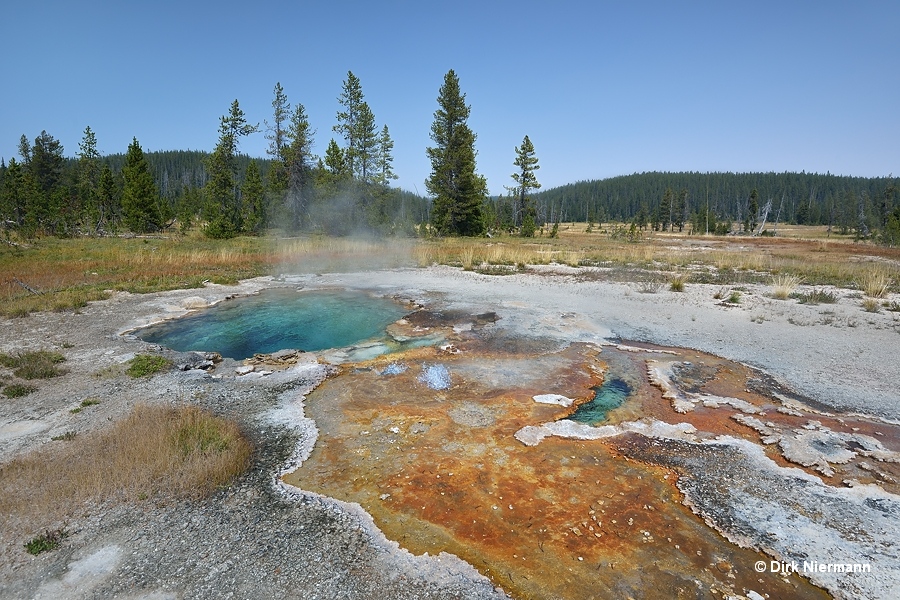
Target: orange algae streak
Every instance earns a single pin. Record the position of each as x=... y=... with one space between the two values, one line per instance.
x=441 y=471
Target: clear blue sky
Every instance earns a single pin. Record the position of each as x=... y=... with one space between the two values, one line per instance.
x=601 y=88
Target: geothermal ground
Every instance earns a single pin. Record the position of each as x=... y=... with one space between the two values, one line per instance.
x=756 y=435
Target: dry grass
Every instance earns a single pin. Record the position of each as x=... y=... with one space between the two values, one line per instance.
x=875 y=283
x=678 y=281
x=71 y=273
x=68 y=273
x=322 y=254
x=872 y=305
x=40 y=364
x=785 y=285
x=155 y=452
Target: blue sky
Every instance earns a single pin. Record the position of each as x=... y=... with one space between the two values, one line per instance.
x=601 y=88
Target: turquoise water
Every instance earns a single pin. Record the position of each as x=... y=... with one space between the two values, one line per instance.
x=608 y=396
x=278 y=319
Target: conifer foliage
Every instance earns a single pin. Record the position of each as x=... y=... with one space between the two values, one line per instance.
x=223 y=204
x=526 y=180
x=458 y=191
x=140 y=208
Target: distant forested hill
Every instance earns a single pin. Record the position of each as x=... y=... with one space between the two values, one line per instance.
x=175 y=171
x=806 y=198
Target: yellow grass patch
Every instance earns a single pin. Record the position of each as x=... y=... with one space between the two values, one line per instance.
x=154 y=452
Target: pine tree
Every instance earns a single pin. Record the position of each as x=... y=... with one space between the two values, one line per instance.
x=299 y=162
x=382 y=175
x=458 y=191
x=679 y=213
x=252 y=200
x=276 y=133
x=665 y=210
x=13 y=194
x=752 y=211
x=89 y=177
x=384 y=158
x=223 y=209
x=351 y=99
x=108 y=205
x=366 y=144
x=526 y=181
x=335 y=161
x=49 y=208
x=642 y=217
x=140 y=210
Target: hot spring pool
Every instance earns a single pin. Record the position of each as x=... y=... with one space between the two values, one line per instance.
x=278 y=319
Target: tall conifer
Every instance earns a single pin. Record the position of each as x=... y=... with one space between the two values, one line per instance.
x=458 y=191
x=139 y=195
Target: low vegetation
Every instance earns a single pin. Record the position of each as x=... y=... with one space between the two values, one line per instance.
x=40 y=364
x=872 y=305
x=144 y=365
x=48 y=540
x=29 y=365
x=678 y=281
x=875 y=283
x=18 y=390
x=65 y=274
x=155 y=452
x=816 y=296
x=785 y=285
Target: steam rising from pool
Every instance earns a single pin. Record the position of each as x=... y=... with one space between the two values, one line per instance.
x=279 y=319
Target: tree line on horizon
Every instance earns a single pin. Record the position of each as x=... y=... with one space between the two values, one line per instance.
x=348 y=189
x=722 y=203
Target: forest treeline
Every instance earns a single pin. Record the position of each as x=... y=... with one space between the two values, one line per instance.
x=349 y=188
x=223 y=192
x=846 y=203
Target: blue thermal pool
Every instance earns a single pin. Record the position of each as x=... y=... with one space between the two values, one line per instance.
x=611 y=394
x=278 y=319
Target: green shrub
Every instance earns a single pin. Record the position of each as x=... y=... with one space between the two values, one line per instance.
x=40 y=364
x=734 y=298
x=144 y=365
x=17 y=390
x=816 y=296
x=46 y=541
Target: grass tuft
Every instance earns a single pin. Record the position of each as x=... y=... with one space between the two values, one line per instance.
x=816 y=296
x=785 y=285
x=18 y=390
x=677 y=281
x=144 y=365
x=40 y=364
x=872 y=305
x=875 y=284
x=650 y=286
